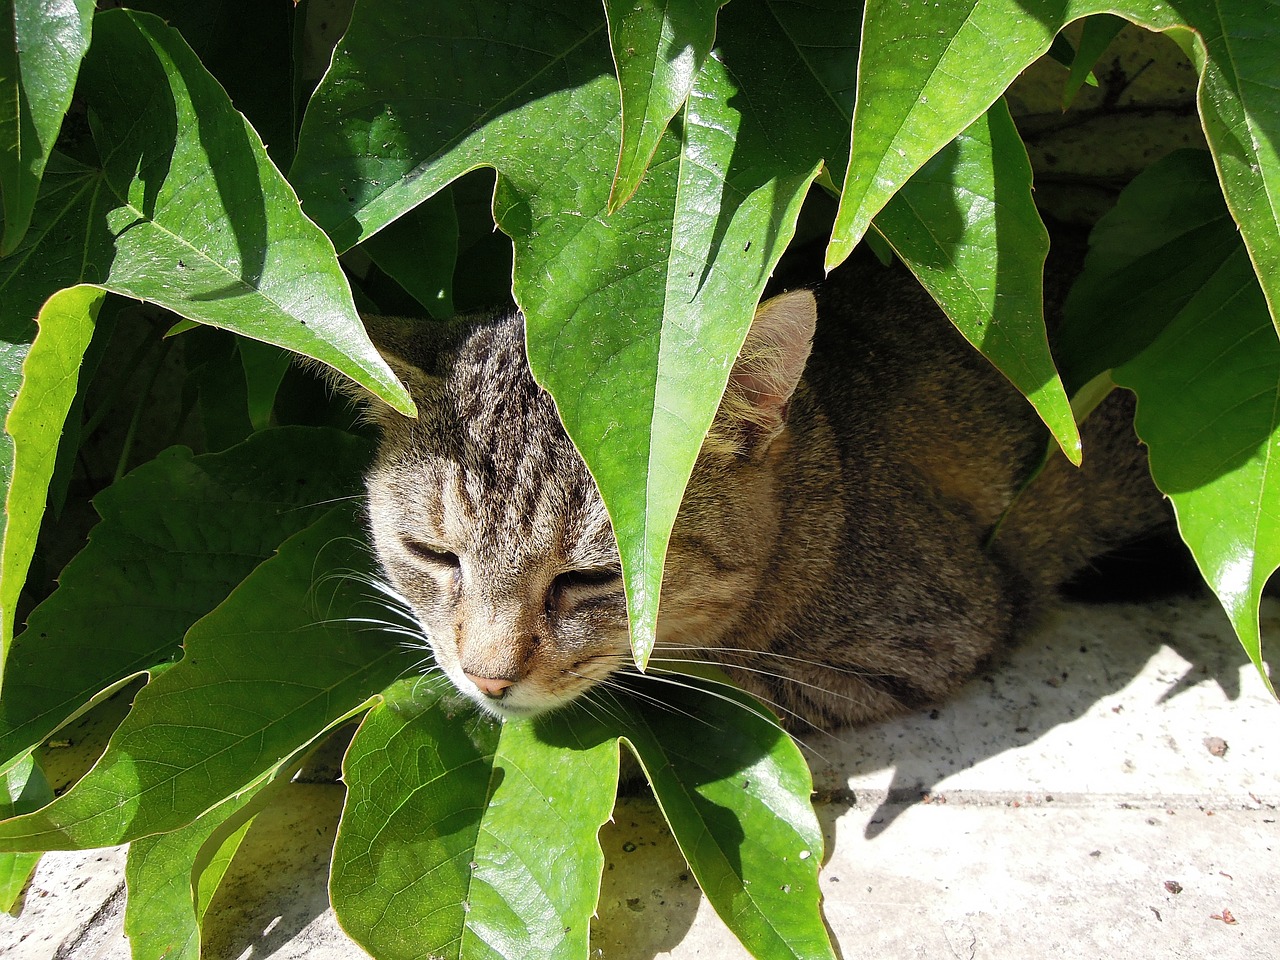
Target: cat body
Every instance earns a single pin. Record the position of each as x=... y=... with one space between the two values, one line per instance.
x=834 y=547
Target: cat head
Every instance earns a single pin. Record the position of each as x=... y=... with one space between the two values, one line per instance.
x=487 y=522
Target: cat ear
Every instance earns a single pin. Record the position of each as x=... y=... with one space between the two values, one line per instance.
x=769 y=366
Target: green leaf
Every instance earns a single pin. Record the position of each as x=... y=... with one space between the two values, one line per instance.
x=658 y=49
x=735 y=790
x=684 y=261
x=1239 y=100
x=264 y=369
x=928 y=73
x=247 y=45
x=25 y=789
x=463 y=838
x=1209 y=394
x=967 y=226
x=220 y=242
x=419 y=252
x=287 y=656
x=1096 y=35
x=168 y=890
x=41 y=45
x=1126 y=293
x=177 y=535
x=34 y=427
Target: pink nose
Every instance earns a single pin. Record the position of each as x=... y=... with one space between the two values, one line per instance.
x=491 y=687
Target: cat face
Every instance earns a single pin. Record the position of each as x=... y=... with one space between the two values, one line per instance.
x=486 y=521
x=488 y=524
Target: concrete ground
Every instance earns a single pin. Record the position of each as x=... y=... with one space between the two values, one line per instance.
x=1108 y=791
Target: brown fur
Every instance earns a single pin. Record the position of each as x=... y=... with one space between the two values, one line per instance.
x=832 y=549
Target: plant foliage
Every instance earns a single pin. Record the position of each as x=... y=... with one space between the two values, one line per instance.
x=649 y=164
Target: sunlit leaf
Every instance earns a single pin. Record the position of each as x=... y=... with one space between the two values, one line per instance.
x=169 y=883
x=222 y=242
x=1208 y=386
x=928 y=72
x=463 y=838
x=658 y=49
x=41 y=46
x=35 y=427
x=735 y=790
x=24 y=789
x=967 y=226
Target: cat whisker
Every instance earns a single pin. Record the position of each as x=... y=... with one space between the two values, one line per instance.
x=748 y=652
x=669 y=677
x=323 y=503
x=780 y=708
x=633 y=690
x=760 y=671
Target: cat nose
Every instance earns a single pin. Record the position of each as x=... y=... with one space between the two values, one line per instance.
x=492 y=687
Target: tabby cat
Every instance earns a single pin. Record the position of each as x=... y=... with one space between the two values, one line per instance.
x=834 y=547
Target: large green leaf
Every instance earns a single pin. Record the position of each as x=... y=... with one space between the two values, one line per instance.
x=41 y=45
x=929 y=72
x=171 y=877
x=288 y=655
x=1208 y=389
x=177 y=535
x=658 y=49
x=186 y=212
x=247 y=46
x=735 y=790
x=1126 y=293
x=463 y=838
x=685 y=260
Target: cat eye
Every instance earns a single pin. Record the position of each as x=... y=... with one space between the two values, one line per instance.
x=438 y=556
x=595 y=579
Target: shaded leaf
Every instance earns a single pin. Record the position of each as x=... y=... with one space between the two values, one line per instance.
x=658 y=49
x=419 y=252
x=41 y=45
x=1096 y=35
x=264 y=369
x=246 y=45
x=177 y=535
x=463 y=838
x=287 y=656
x=1209 y=400
x=1126 y=292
